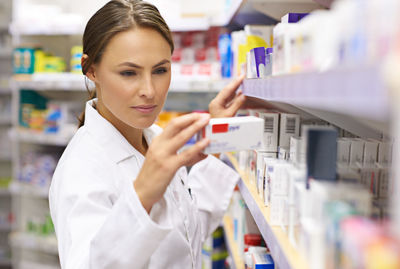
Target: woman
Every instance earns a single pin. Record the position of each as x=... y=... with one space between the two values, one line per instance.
x=121 y=196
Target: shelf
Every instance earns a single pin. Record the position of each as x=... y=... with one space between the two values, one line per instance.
x=5 y=262
x=5 y=228
x=352 y=98
x=225 y=17
x=5 y=90
x=49 y=30
x=197 y=86
x=27 y=190
x=277 y=9
x=231 y=244
x=34 y=242
x=51 y=81
x=4 y=158
x=5 y=121
x=325 y=3
x=6 y=53
x=282 y=251
x=76 y=82
x=4 y=192
x=41 y=138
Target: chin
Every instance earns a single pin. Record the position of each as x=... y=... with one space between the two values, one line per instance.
x=142 y=124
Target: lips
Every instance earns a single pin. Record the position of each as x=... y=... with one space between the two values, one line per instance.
x=144 y=108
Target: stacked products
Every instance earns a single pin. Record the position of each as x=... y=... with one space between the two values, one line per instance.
x=317 y=183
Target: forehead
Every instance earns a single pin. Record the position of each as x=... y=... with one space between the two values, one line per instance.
x=143 y=46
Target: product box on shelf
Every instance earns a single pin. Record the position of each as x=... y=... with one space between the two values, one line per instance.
x=289 y=125
x=356 y=151
x=321 y=151
x=270 y=134
x=343 y=151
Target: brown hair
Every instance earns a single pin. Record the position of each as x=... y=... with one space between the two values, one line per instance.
x=115 y=17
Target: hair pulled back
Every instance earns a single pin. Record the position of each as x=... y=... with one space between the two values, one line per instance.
x=115 y=17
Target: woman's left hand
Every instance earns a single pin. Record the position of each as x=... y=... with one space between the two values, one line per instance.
x=227 y=102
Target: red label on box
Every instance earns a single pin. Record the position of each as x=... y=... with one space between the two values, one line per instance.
x=220 y=128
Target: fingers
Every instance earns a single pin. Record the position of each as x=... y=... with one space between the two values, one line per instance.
x=185 y=134
x=228 y=92
x=235 y=105
x=193 y=154
x=178 y=124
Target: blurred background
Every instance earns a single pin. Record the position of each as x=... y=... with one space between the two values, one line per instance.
x=322 y=192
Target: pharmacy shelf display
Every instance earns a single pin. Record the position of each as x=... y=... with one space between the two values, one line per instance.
x=23 y=190
x=5 y=262
x=76 y=82
x=351 y=98
x=282 y=251
x=232 y=246
x=34 y=242
x=277 y=9
x=40 y=138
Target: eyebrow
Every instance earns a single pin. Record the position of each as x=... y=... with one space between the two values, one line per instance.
x=130 y=64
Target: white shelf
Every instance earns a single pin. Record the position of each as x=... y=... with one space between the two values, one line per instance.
x=6 y=53
x=226 y=16
x=48 y=30
x=4 y=192
x=4 y=158
x=27 y=190
x=5 y=228
x=34 y=242
x=76 y=82
x=51 y=81
x=5 y=121
x=282 y=251
x=5 y=262
x=197 y=86
x=40 y=138
x=342 y=96
x=276 y=9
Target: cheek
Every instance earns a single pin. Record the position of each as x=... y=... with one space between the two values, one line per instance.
x=162 y=84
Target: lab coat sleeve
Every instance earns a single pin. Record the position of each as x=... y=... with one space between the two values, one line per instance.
x=98 y=229
x=212 y=183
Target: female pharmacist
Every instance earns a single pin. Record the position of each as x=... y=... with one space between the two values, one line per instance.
x=121 y=196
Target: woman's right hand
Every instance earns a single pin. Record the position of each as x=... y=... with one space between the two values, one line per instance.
x=162 y=160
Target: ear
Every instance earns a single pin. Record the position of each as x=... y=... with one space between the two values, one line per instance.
x=91 y=74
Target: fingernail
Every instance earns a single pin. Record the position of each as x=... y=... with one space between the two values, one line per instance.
x=205 y=116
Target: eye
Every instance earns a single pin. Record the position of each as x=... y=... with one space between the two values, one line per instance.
x=127 y=73
x=161 y=70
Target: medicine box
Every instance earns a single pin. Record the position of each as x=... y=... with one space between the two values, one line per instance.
x=356 y=151
x=343 y=150
x=289 y=125
x=270 y=135
x=370 y=152
x=233 y=134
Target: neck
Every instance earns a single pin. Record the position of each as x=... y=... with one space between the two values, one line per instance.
x=132 y=135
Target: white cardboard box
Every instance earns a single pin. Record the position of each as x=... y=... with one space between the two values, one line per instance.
x=233 y=134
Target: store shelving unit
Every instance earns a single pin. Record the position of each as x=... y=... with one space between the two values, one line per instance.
x=4 y=192
x=40 y=138
x=27 y=191
x=276 y=9
x=351 y=98
x=34 y=242
x=5 y=262
x=76 y=82
x=283 y=252
x=231 y=244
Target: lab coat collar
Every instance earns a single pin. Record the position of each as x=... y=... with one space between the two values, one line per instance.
x=110 y=138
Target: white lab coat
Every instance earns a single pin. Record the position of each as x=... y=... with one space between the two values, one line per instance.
x=99 y=220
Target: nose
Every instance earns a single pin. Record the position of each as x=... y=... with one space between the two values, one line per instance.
x=147 y=89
